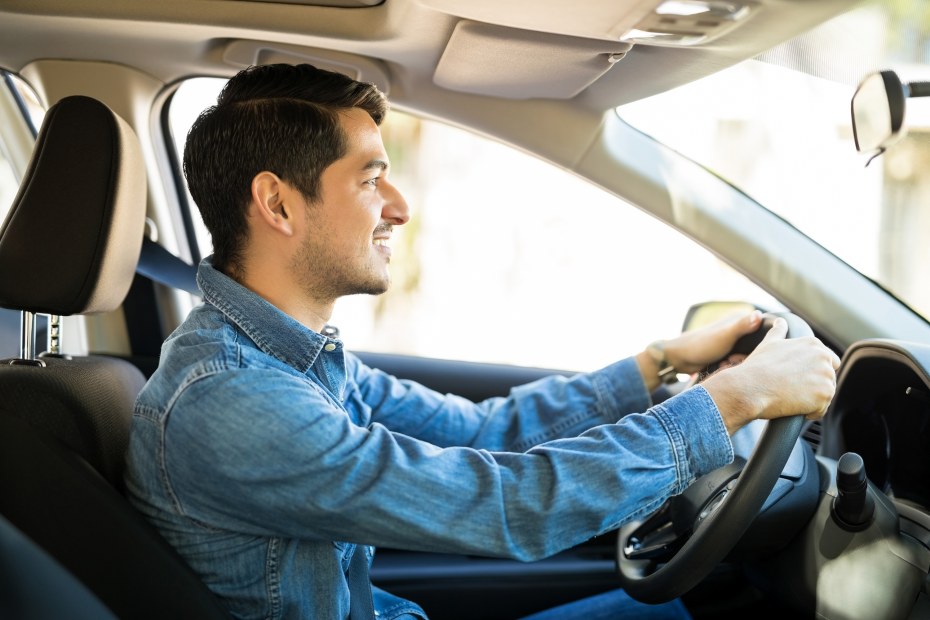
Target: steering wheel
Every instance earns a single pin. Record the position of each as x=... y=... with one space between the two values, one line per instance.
x=675 y=548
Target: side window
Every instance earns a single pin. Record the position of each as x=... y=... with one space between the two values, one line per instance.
x=509 y=259
x=20 y=114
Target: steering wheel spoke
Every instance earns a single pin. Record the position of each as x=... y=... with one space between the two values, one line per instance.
x=656 y=538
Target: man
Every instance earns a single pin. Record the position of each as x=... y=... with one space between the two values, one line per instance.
x=273 y=460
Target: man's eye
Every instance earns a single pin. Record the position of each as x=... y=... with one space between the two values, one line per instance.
x=373 y=182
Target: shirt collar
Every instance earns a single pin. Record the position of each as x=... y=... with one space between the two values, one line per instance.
x=273 y=331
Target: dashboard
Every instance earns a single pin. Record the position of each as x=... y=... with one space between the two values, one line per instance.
x=876 y=568
x=882 y=412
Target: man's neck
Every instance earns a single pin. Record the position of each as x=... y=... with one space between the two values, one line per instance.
x=311 y=313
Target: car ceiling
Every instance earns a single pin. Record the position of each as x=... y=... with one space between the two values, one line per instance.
x=418 y=50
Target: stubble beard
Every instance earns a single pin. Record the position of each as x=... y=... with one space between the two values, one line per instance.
x=324 y=276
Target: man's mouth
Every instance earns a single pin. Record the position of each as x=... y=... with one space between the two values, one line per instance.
x=381 y=235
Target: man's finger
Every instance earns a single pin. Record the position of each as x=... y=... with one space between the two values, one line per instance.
x=778 y=331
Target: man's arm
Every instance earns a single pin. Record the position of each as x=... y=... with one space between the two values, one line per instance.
x=288 y=461
x=547 y=409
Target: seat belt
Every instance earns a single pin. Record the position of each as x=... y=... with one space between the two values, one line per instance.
x=361 y=605
x=158 y=264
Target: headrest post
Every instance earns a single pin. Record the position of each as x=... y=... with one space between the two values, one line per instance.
x=54 y=334
x=27 y=340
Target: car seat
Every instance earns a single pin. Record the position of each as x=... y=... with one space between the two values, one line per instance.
x=70 y=245
x=28 y=575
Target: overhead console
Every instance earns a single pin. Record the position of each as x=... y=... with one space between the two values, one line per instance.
x=658 y=22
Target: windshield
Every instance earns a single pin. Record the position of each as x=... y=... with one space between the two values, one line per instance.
x=778 y=127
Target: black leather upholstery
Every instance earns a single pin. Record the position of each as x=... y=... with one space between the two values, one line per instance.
x=70 y=245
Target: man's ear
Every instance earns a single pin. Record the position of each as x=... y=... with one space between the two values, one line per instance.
x=268 y=192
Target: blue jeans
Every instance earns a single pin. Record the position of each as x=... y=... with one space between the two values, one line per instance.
x=613 y=605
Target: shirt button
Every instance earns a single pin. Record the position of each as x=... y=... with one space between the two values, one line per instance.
x=329 y=347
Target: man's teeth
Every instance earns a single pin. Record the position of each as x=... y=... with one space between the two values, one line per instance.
x=381 y=242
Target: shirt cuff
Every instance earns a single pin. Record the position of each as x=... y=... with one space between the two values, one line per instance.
x=620 y=390
x=698 y=435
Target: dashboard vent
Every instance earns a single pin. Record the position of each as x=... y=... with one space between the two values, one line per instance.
x=811 y=433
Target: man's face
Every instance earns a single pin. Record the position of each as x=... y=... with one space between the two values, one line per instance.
x=346 y=248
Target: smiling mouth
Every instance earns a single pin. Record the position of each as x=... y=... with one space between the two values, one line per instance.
x=381 y=236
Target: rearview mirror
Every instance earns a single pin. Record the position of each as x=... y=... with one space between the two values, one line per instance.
x=878 y=110
x=708 y=312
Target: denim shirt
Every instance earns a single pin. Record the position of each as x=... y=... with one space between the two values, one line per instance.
x=264 y=453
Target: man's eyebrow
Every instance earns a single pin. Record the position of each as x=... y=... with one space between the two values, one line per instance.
x=376 y=164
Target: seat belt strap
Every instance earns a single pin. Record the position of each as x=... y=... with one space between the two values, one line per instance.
x=361 y=605
x=160 y=265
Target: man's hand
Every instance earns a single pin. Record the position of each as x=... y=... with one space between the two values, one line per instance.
x=695 y=350
x=781 y=377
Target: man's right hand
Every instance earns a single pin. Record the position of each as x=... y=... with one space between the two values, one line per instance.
x=781 y=377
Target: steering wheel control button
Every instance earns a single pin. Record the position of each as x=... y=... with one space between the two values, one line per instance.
x=853 y=508
x=713 y=504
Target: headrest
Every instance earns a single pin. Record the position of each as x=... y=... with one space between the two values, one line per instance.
x=71 y=240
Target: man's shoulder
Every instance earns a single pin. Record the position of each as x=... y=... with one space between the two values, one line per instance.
x=205 y=345
x=206 y=338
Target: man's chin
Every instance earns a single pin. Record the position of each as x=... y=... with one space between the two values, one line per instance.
x=372 y=288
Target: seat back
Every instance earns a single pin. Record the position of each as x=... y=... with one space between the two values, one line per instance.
x=69 y=245
x=28 y=574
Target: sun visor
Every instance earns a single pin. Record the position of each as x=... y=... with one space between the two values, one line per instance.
x=485 y=59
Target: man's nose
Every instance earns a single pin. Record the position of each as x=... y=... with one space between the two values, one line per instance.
x=395 y=208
